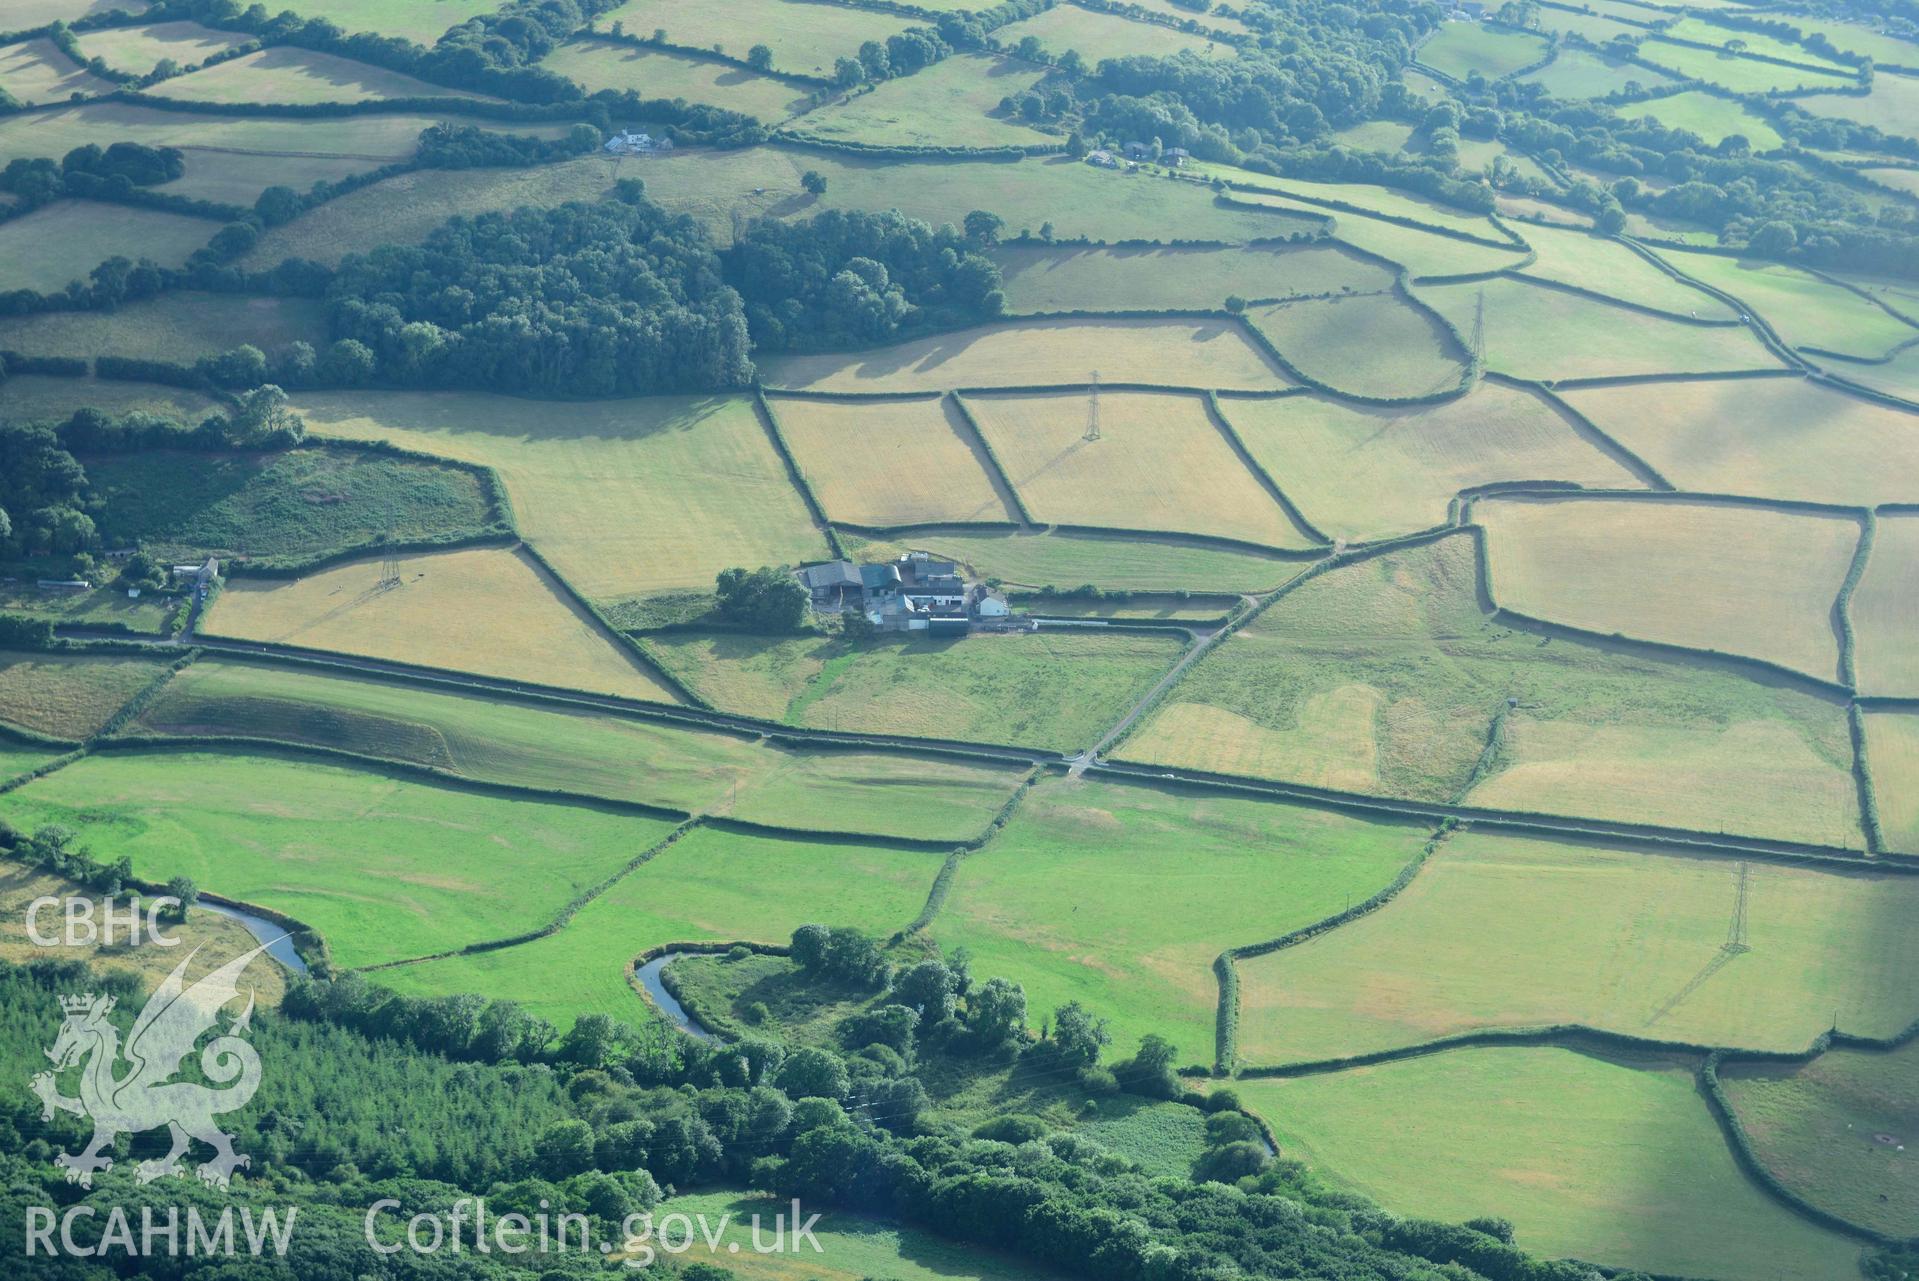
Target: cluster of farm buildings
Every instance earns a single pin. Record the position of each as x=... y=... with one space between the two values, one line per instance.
x=912 y=594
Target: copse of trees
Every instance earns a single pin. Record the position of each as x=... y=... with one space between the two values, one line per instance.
x=768 y=599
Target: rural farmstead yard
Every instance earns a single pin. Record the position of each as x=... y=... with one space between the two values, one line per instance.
x=1102 y=641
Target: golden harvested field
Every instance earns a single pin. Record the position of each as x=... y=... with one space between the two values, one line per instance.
x=35 y=71
x=1805 y=310
x=1098 y=36
x=1885 y=611
x=953 y=103
x=63 y=241
x=1376 y=345
x=624 y=496
x=1766 y=437
x=1160 y=464
x=1892 y=745
x=660 y=73
x=138 y=50
x=182 y=326
x=1075 y=278
x=1030 y=353
x=37 y=398
x=68 y=697
x=300 y=76
x=1740 y=580
x=1533 y=331
x=1609 y=267
x=891 y=462
x=1362 y=473
x=1482 y=939
x=805 y=39
x=485 y=610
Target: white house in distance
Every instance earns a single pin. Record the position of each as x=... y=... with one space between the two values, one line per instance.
x=626 y=143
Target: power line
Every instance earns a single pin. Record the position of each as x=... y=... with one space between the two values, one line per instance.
x=1092 y=411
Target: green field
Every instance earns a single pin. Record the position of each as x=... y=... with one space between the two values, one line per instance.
x=24 y=14
x=1361 y=473
x=1645 y=955
x=105 y=605
x=291 y=506
x=1058 y=691
x=1370 y=346
x=54 y=133
x=238 y=178
x=1892 y=743
x=1885 y=608
x=63 y=241
x=36 y=398
x=619 y=758
x=625 y=497
x=661 y=73
x=1757 y=43
x=953 y=103
x=1617 y=1162
x=35 y=71
x=805 y=39
x=1043 y=278
x=710 y=886
x=1768 y=437
x=1740 y=75
x=1536 y=332
x=1805 y=310
x=422 y=21
x=1836 y=1130
x=1383 y=677
x=384 y=869
x=1607 y=267
x=1582 y=73
x=1120 y=897
x=1103 y=560
x=299 y=76
x=880 y=463
x=1464 y=49
x=1884 y=49
x=1098 y=36
x=16 y=760
x=67 y=697
x=138 y=50
x=180 y=327
x=1421 y=252
x=1714 y=119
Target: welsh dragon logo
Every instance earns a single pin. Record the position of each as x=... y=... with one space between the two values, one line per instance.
x=141 y=1097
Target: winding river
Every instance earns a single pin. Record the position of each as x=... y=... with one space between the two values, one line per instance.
x=279 y=942
x=649 y=979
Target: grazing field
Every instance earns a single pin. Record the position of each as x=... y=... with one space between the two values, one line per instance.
x=422 y=21
x=1533 y=208
x=1370 y=346
x=619 y=758
x=1110 y=561
x=1613 y=1161
x=1740 y=75
x=67 y=696
x=1119 y=897
x=17 y=759
x=1166 y=606
x=180 y=327
x=1714 y=119
x=1805 y=310
x=301 y=77
x=1582 y=73
x=1463 y=49
x=1378 y=135
x=1421 y=252
x=1648 y=953
x=1896 y=177
x=1098 y=36
x=1755 y=42
x=1182 y=353
x=1897 y=377
x=1044 y=278
x=1533 y=331
x=36 y=398
x=1837 y=1131
x=1892 y=744
x=238 y=178
x=1051 y=691
x=61 y=242
x=953 y=103
x=381 y=138
x=138 y=50
x=293 y=506
x=1883 y=48
x=1361 y=473
x=1160 y=464
x=1767 y=437
x=708 y=886
x=880 y=463
x=488 y=611
x=1383 y=677
x=1607 y=267
x=383 y=869
x=1385 y=201
x=25 y=14
x=806 y=39
x=625 y=497
x=35 y=71
x=1739 y=580
x=661 y=73
x=1885 y=610
x=105 y=605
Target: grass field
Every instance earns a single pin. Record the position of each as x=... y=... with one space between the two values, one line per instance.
x=1168 y=606
x=661 y=73
x=1882 y=48
x=17 y=759
x=1767 y=437
x=422 y=21
x=1383 y=677
x=64 y=696
x=1160 y=464
x=1389 y=201
x=1596 y=27
x=1714 y=119
x=104 y=605
x=891 y=462
x=1836 y=1131
x=1043 y=278
x=1900 y=179
x=1643 y=956
x=36 y=398
x=1740 y=75
x=383 y=138
x=383 y=869
x=1892 y=743
x=1462 y=49
x=25 y=14
x=1756 y=42
x=1617 y=1162
x=138 y=50
x=1608 y=267
x=487 y=610
x=35 y=71
x=953 y=103
x=1120 y=897
x=1740 y=580
x=1532 y=207
x=63 y=241
x=238 y=178
x=299 y=76
x=179 y=327
x=709 y=886
x=624 y=496
x=805 y=39
x=1898 y=377
x=1361 y=473
x=1805 y=310
x=1536 y=332
x=1885 y=608
x=1420 y=252
x=1058 y=691
x=293 y=505
x=1371 y=346
x=1071 y=560
x=1098 y=36
x=1181 y=353
x=1581 y=73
